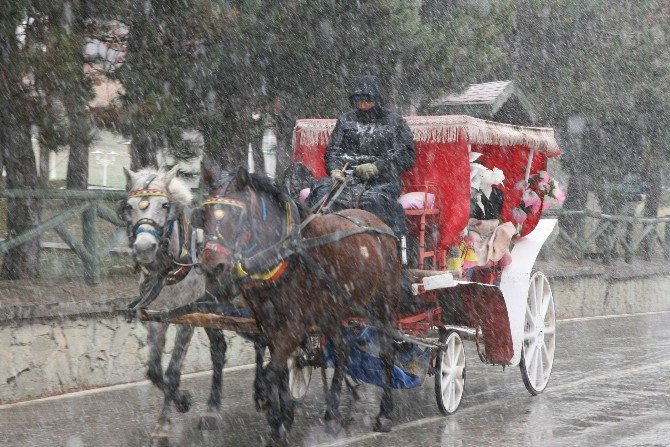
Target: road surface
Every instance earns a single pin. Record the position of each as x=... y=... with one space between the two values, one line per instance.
x=609 y=388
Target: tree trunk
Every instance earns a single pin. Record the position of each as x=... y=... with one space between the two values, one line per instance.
x=576 y=198
x=22 y=214
x=142 y=154
x=2 y=168
x=80 y=130
x=45 y=154
x=284 y=127
x=77 y=167
x=257 y=130
x=227 y=145
x=655 y=165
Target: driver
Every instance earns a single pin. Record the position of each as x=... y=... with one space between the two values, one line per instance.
x=377 y=145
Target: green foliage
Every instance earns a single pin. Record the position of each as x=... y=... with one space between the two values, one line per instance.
x=593 y=60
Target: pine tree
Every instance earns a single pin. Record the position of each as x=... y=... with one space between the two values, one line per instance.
x=16 y=106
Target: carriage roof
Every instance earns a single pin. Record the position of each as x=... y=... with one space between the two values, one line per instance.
x=448 y=129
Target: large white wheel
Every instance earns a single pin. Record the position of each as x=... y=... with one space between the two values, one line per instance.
x=450 y=373
x=539 y=335
x=299 y=376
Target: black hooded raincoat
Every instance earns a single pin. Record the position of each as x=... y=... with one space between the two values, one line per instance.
x=377 y=136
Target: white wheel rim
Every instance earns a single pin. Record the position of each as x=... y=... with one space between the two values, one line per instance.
x=539 y=339
x=452 y=368
x=298 y=378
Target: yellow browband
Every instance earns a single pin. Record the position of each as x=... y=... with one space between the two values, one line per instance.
x=275 y=272
x=147 y=193
x=224 y=201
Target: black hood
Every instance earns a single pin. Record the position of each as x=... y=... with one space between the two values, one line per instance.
x=368 y=85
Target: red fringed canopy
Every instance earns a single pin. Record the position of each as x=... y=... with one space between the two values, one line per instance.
x=442 y=145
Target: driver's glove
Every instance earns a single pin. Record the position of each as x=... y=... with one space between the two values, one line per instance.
x=337 y=175
x=366 y=171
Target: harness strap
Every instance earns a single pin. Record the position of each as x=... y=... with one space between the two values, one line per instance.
x=339 y=235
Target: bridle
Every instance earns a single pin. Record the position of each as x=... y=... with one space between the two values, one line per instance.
x=147 y=225
x=244 y=237
x=241 y=236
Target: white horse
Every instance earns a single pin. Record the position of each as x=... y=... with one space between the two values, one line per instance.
x=158 y=221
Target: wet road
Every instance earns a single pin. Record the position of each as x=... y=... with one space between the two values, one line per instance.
x=609 y=388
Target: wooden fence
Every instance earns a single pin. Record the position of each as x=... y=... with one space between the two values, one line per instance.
x=86 y=204
x=594 y=234
x=611 y=236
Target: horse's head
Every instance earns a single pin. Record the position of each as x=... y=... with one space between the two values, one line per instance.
x=241 y=215
x=152 y=203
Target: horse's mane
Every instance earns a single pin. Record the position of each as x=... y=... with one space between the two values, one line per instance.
x=178 y=189
x=263 y=183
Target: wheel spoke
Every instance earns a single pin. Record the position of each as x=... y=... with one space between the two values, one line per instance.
x=540 y=366
x=546 y=301
x=530 y=318
x=531 y=371
x=549 y=330
x=454 y=400
x=461 y=356
x=545 y=355
x=459 y=385
x=528 y=336
x=539 y=292
x=533 y=363
x=531 y=298
x=452 y=351
x=530 y=352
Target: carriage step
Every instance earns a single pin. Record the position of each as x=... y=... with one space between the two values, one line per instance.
x=441 y=281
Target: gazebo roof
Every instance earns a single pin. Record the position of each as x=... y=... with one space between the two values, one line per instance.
x=484 y=100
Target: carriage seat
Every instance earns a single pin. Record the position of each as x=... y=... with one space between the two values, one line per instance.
x=417 y=200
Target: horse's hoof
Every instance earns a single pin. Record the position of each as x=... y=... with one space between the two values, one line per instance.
x=210 y=421
x=160 y=440
x=333 y=427
x=383 y=425
x=183 y=402
x=277 y=441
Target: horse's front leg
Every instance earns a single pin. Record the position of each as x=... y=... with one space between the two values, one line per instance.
x=384 y=420
x=260 y=384
x=156 y=342
x=211 y=419
x=280 y=408
x=171 y=392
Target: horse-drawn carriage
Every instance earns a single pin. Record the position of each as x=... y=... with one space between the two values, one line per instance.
x=509 y=313
x=507 y=310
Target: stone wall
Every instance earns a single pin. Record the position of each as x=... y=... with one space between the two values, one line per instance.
x=588 y=289
x=53 y=349
x=52 y=357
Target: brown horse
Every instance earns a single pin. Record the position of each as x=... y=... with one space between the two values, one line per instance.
x=338 y=265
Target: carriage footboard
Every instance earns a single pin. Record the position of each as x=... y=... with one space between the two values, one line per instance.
x=480 y=306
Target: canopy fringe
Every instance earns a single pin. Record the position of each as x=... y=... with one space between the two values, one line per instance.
x=448 y=129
